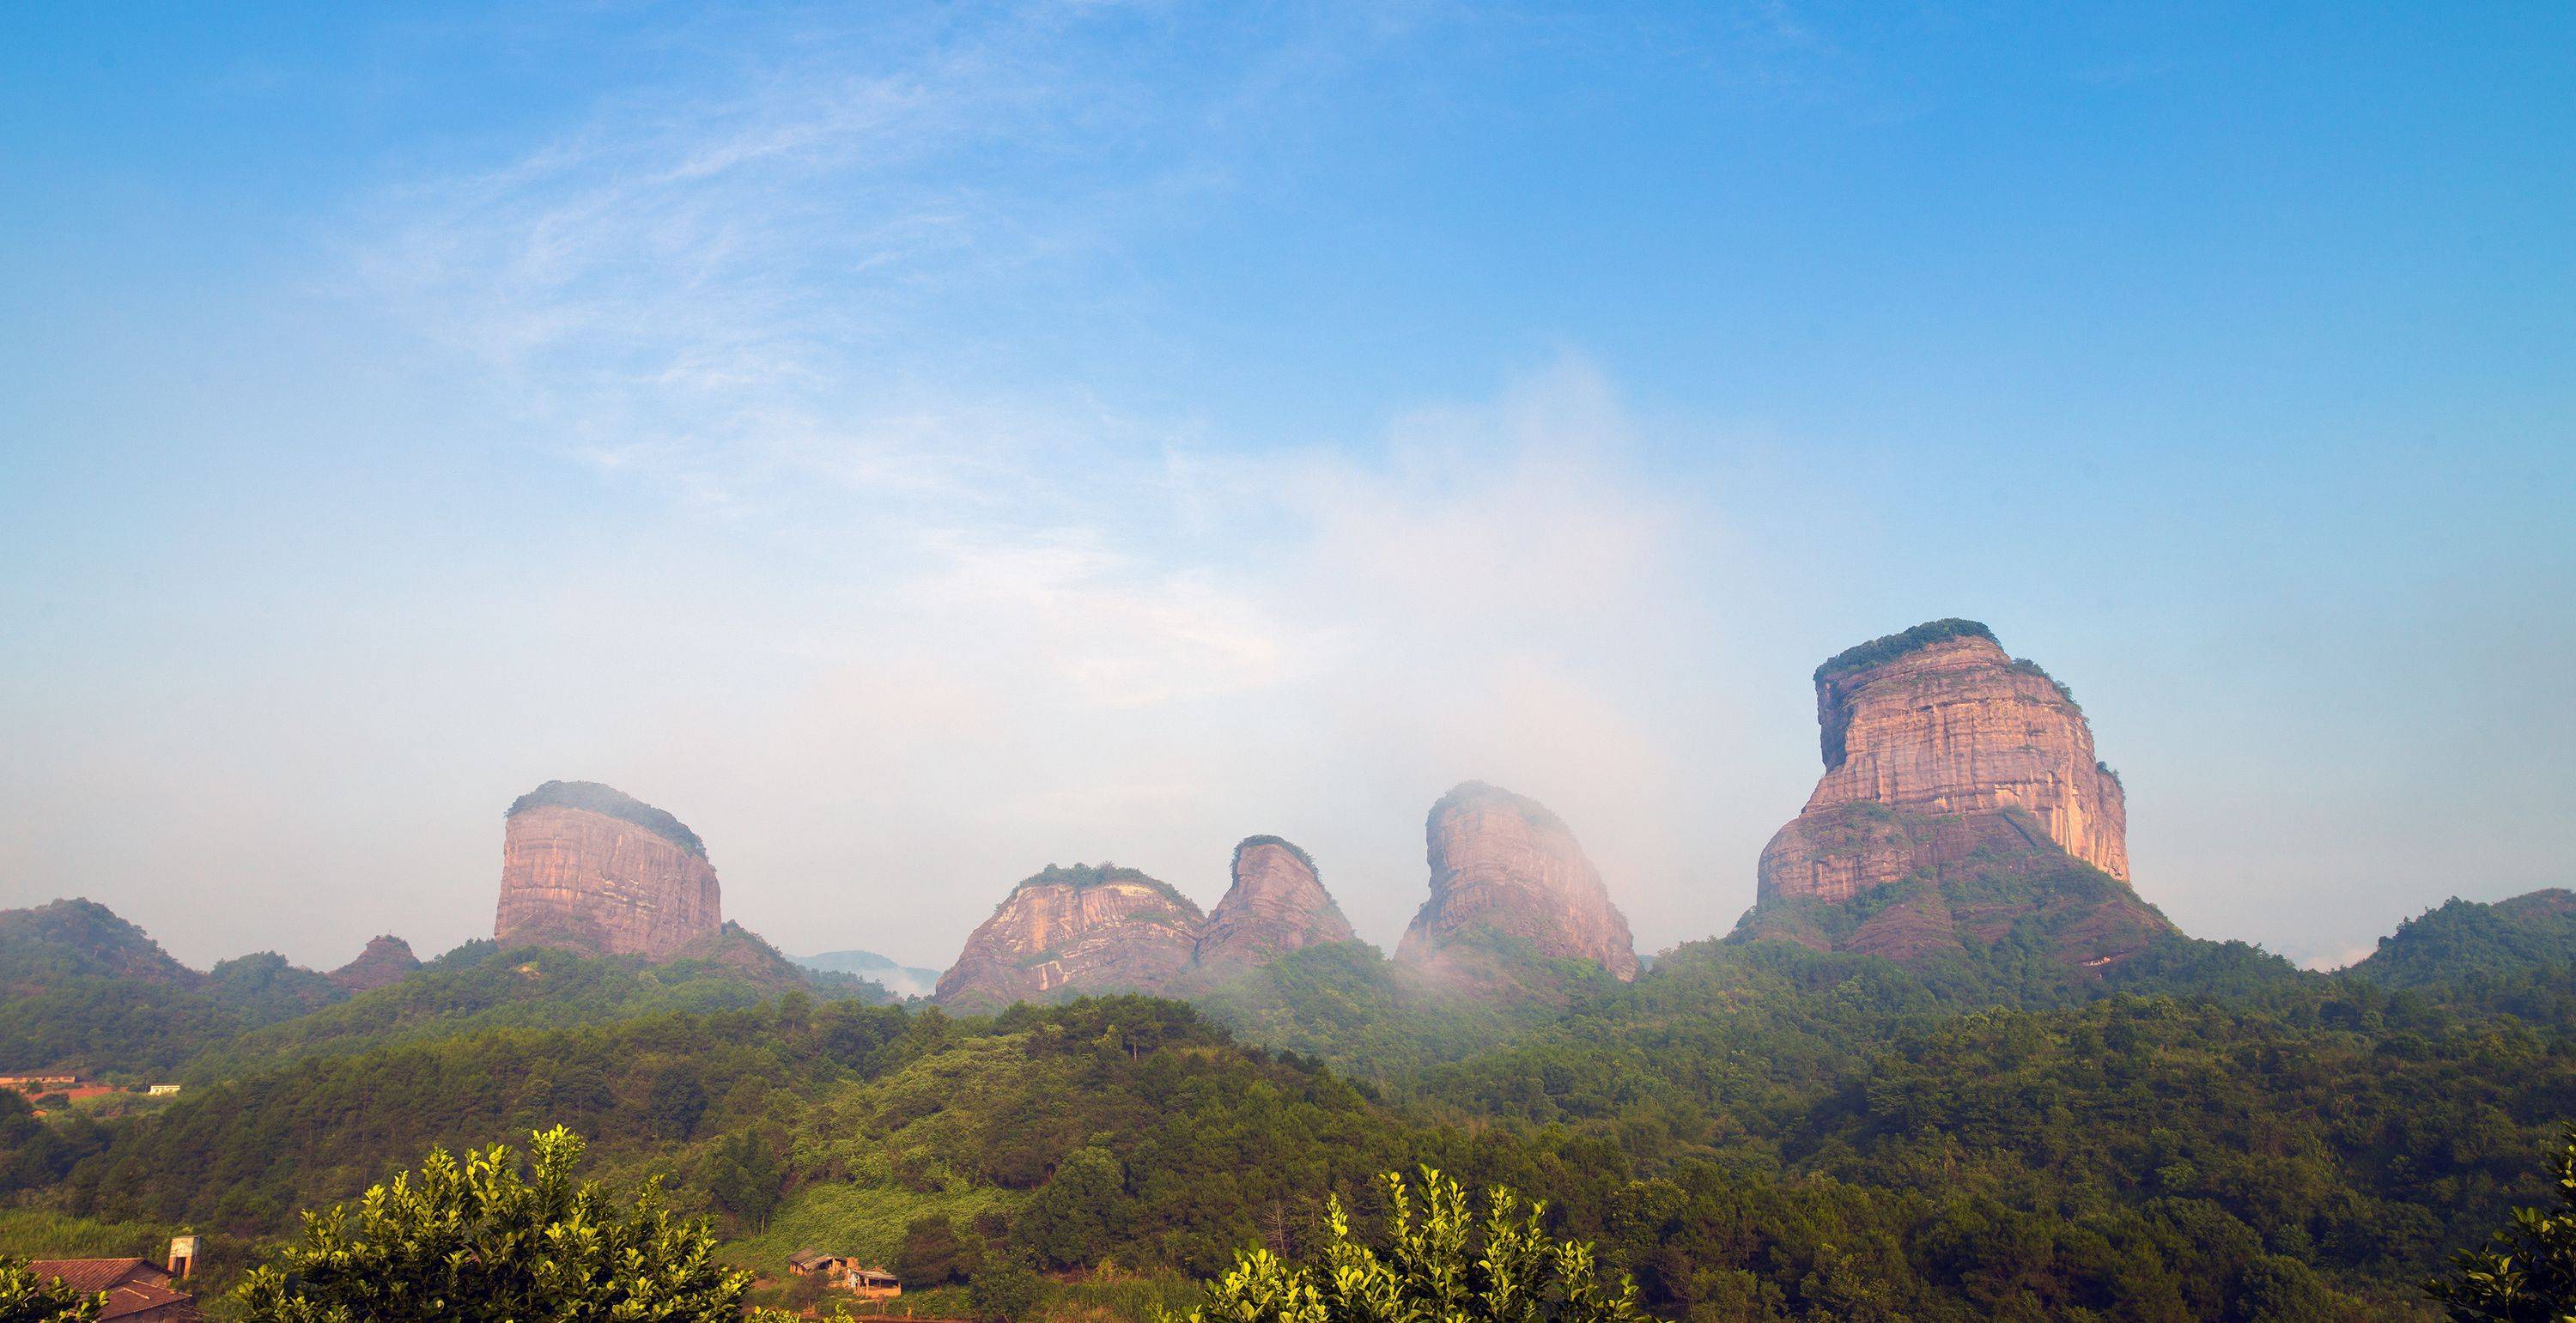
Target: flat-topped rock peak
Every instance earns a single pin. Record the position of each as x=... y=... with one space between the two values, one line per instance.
x=591 y=868
x=1503 y=866
x=1939 y=722
x=1966 y=781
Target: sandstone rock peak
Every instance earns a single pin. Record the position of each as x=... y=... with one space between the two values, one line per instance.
x=1503 y=865
x=589 y=867
x=1070 y=931
x=1937 y=743
x=1276 y=904
x=386 y=961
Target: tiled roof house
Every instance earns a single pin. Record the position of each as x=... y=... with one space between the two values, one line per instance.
x=138 y=1291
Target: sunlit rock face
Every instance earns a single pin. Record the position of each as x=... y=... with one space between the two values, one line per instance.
x=1276 y=904
x=587 y=867
x=1069 y=932
x=386 y=961
x=1937 y=744
x=1503 y=866
x=1961 y=805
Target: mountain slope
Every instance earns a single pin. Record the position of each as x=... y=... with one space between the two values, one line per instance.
x=900 y=979
x=2464 y=939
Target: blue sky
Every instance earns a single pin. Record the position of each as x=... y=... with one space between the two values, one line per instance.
x=919 y=444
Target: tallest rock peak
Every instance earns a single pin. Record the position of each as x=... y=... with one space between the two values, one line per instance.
x=1940 y=723
x=590 y=867
x=1961 y=785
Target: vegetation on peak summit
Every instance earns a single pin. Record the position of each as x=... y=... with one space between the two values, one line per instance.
x=591 y=796
x=1888 y=647
x=1084 y=877
x=2462 y=940
x=1251 y=842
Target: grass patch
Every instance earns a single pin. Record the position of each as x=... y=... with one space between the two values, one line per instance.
x=39 y=1233
x=865 y=1221
x=1118 y=1300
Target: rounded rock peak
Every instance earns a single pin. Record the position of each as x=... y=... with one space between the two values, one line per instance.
x=1504 y=865
x=1060 y=932
x=386 y=961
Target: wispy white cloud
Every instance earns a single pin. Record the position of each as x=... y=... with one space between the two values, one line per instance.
x=827 y=266
x=1016 y=618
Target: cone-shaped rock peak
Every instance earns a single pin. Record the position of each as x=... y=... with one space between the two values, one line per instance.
x=1276 y=904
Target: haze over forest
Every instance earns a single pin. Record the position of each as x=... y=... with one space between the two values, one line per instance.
x=1124 y=661
x=918 y=447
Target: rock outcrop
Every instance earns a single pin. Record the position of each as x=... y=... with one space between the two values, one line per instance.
x=586 y=867
x=386 y=961
x=1502 y=866
x=1276 y=904
x=1961 y=800
x=1073 y=931
x=1938 y=745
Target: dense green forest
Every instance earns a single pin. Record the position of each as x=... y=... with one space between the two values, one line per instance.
x=1753 y=1130
x=90 y=992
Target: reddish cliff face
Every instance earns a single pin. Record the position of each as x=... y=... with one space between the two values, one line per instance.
x=1276 y=905
x=585 y=867
x=1073 y=931
x=385 y=962
x=1964 y=783
x=1938 y=745
x=1502 y=865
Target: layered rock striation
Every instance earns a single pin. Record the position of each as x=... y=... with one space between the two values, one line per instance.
x=1503 y=866
x=1961 y=802
x=1067 y=932
x=1276 y=904
x=1939 y=745
x=386 y=961
x=587 y=867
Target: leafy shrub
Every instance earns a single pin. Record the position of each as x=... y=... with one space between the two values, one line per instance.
x=1441 y=1264
x=475 y=1241
x=1888 y=647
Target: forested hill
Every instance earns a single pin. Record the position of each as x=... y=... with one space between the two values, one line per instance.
x=1756 y=1130
x=111 y=1005
x=2464 y=939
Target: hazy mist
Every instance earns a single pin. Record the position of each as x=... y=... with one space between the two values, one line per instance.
x=917 y=452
